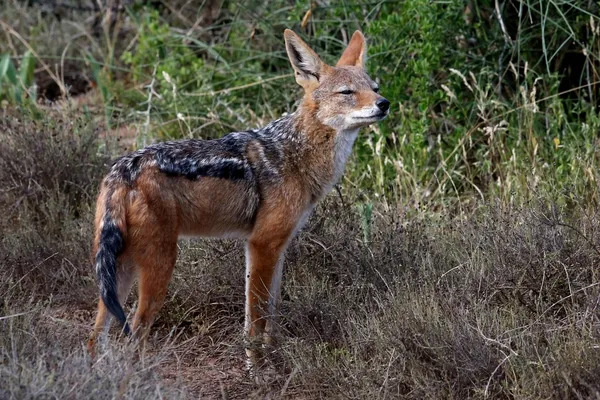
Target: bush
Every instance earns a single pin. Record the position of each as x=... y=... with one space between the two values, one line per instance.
x=49 y=174
x=476 y=108
x=479 y=108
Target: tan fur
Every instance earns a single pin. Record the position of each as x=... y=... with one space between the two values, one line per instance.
x=158 y=208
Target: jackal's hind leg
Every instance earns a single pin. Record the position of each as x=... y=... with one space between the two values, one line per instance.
x=155 y=268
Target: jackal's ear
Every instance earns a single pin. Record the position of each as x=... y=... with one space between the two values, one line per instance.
x=356 y=52
x=306 y=63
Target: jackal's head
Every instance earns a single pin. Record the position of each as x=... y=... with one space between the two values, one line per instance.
x=344 y=96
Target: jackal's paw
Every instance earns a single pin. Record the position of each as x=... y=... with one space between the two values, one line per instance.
x=91 y=347
x=262 y=372
x=253 y=360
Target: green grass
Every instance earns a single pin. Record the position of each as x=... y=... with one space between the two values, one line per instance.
x=478 y=110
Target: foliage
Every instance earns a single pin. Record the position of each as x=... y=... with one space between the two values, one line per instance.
x=17 y=85
x=480 y=110
x=189 y=80
x=477 y=108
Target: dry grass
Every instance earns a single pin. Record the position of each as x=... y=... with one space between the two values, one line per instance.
x=497 y=302
x=42 y=357
x=502 y=304
x=48 y=175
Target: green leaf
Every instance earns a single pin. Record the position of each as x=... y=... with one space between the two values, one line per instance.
x=26 y=69
x=209 y=49
x=8 y=74
x=7 y=70
x=97 y=76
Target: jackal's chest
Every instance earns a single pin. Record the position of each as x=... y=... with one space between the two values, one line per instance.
x=342 y=149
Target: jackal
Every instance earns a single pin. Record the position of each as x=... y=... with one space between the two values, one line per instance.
x=260 y=185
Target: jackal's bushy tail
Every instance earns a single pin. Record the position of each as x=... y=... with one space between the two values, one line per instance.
x=110 y=242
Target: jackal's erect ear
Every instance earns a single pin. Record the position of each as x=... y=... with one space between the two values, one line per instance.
x=306 y=63
x=356 y=52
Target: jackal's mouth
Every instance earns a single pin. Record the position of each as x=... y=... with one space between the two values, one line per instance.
x=377 y=117
x=382 y=114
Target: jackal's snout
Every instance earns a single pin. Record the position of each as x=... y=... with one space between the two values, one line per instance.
x=383 y=104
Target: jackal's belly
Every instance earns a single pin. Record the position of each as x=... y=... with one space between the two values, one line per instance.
x=217 y=208
x=217 y=228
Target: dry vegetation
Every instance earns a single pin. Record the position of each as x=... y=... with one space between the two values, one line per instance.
x=461 y=259
x=499 y=302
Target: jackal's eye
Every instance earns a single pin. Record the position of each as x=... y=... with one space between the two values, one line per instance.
x=376 y=89
x=346 y=91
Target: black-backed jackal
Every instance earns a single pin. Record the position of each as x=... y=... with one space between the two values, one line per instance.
x=260 y=185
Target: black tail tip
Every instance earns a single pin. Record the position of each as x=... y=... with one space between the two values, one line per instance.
x=114 y=307
x=126 y=329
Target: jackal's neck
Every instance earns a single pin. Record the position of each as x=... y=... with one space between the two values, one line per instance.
x=302 y=127
x=325 y=150
x=311 y=129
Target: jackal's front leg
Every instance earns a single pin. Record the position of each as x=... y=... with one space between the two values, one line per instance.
x=264 y=252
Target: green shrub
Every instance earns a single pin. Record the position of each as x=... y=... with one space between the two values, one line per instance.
x=17 y=85
x=478 y=109
x=197 y=89
x=488 y=98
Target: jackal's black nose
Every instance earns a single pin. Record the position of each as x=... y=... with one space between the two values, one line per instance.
x=383 y=104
